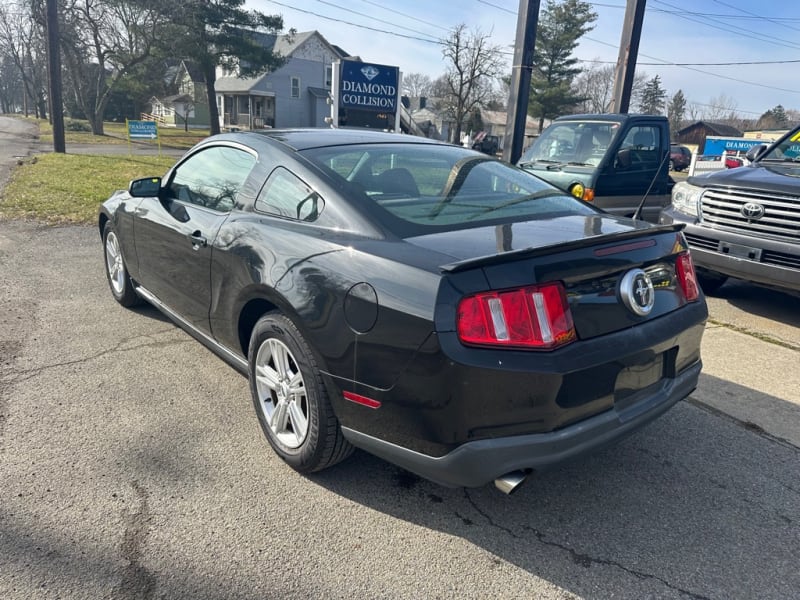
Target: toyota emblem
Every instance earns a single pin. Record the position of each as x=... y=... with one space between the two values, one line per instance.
x=637 y=293
x=752 y=210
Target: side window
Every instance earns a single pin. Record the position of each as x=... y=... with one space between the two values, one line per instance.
x=295 y=83
x=286 y=195
x=643 y=142
x=212 y=177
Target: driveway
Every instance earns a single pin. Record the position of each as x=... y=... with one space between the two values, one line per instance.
x=18 y=139
x=133 y=467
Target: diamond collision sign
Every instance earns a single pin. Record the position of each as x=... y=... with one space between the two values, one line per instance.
x=368 y=87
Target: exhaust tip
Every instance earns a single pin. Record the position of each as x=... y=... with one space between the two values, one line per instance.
x=509 y=482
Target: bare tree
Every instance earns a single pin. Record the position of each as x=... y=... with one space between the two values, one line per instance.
x=721 y=108
x=416 y=85
x=22 y=43
x=694 y=111
x=102 y=40
x=473 y=66
x=594 y=85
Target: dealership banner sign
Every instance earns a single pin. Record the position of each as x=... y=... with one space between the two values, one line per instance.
x=367 y=86
x=715 y=146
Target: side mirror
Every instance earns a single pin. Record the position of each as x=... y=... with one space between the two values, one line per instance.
x=755 y=152
x=624 y=159
x=147 y=187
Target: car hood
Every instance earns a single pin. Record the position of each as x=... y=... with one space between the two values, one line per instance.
x=774 y=177
x=466 y=244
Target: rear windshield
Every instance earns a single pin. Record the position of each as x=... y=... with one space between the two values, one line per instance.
x=441 y=186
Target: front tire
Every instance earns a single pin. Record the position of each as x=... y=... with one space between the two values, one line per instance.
x=290 y=398
x=117 y=273
x=710 y=282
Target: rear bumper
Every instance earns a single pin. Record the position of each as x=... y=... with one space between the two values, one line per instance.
x=479 y=462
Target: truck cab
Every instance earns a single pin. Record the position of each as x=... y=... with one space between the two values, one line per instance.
x=610 y=160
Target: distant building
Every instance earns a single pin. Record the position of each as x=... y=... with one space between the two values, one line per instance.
x=295 y=95
x=696 y=133
x=187 y=104
x=495 y=123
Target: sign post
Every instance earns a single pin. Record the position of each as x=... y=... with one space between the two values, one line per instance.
x=142 y=130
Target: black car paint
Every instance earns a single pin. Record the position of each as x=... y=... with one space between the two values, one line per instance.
x=436 y=394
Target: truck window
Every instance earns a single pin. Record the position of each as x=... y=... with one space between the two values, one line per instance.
x=643 y=142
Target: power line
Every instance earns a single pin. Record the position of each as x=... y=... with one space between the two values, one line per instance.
x=734 y=29
x=407 y=16
x=360 y=14
x=504 y=9
x=394 y=33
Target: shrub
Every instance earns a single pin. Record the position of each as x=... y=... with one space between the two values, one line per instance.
x=73 y=125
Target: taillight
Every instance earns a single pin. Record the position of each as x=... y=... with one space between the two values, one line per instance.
x=529 y=317
x=687 y=278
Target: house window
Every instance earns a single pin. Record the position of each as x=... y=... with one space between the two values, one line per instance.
x=328 y=76
x=295 y=87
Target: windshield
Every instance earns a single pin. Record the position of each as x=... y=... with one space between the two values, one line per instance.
x=787 y=149
x=441 y=186
x=572 y=142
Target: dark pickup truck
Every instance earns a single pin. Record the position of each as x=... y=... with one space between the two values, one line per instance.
x=745 y=222
x=610 y=160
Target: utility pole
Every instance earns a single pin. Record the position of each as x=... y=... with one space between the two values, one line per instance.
x=527 y=20
x=628 y=53
x=54 y=70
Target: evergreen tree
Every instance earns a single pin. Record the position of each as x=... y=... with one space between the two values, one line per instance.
x=774 y=118
x=561 y=25
x=676 y=110
x=221 y=33
x=653 y=97
x=779 y=115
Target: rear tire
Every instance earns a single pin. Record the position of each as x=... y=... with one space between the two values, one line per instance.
x=290 y=398
x=711 y=282
x=117 y=273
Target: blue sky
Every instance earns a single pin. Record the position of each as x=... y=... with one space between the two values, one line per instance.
x=405 y=33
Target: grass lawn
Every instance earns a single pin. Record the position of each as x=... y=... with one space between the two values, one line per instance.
x=115 y=133
x=68 y=188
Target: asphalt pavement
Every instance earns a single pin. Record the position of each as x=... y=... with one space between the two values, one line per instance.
x=132 y=466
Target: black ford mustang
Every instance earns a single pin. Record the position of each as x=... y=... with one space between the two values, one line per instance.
x=432 y=305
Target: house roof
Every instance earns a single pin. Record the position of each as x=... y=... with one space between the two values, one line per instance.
x=318 y=91
x=499 y=117
x=285 y=45
x=714 y=128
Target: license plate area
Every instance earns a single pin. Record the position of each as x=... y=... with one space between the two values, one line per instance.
x=740 y=251
x=641 y=378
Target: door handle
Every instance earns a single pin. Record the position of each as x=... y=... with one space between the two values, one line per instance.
x=198 y=240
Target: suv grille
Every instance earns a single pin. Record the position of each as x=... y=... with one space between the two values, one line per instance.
x=723 y=209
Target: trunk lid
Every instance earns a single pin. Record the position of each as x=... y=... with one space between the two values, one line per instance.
x=590 y=255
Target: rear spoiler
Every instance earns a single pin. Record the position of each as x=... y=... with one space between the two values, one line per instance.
x=503 y=257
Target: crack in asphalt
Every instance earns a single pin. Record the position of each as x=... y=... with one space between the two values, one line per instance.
x=587 y=561
x=578 y=558
x=17 y=376
x=764 y=337
x=137 y=582
x=748 y=425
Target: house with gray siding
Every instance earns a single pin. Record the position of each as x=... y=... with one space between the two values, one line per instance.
x=295 y=95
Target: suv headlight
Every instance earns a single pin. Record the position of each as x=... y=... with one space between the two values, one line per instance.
x=686 y=198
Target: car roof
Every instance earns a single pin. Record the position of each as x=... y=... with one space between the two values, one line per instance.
x=303 y=139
